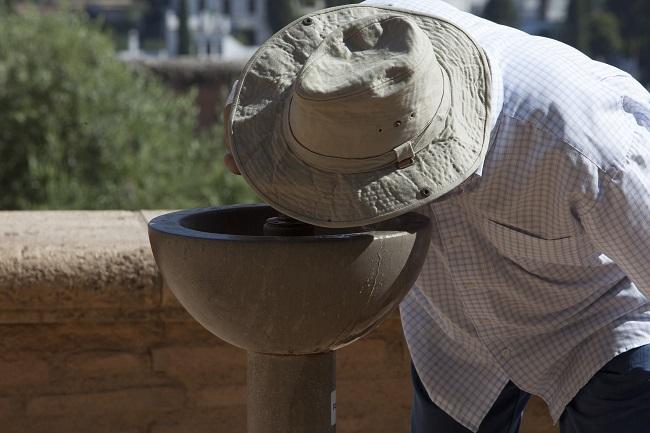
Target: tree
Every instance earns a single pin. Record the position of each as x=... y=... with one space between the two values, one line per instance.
x=577 y=25
x=333 y=3
x=6 y=6
x=183 y=29
x=634 y=16
x=80 y=130
x=542 y=12
x=605 y=40
x=502 y=12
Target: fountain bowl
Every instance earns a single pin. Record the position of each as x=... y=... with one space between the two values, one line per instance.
x=288 y=295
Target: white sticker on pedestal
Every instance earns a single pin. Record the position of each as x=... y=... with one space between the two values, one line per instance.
x=333 y=407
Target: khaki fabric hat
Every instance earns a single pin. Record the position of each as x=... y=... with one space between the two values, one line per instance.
x=356 y=114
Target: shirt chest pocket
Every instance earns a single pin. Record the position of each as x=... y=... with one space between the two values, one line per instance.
x=529 y=249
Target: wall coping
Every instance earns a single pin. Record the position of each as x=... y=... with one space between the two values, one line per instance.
x=96 y=266
x=189 y=70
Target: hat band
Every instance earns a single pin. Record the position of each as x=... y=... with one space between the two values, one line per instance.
x=402 y=155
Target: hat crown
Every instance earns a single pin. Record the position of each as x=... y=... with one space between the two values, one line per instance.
x=361 y=58
x=367 y=88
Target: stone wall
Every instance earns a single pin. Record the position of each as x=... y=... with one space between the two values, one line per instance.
x=92 y=341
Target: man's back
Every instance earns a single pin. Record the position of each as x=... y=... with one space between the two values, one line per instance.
x=519 y=284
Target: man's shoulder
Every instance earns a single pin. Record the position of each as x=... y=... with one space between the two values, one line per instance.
x=569 y=97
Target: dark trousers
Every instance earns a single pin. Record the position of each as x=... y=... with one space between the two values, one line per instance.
x=615 y=400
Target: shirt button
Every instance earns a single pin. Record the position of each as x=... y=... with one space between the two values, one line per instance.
x=506 y=353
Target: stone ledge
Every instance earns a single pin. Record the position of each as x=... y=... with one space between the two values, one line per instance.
x=59 y=266
x=190 y=70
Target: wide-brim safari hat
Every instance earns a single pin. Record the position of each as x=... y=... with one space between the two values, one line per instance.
x=356 y=114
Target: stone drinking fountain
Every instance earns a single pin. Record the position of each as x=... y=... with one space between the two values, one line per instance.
x=289 y=294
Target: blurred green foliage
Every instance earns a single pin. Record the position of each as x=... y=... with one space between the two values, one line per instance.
x=634 y=18
x=183 y=29
x=333 y=3
x=502 y=12
x=605 y=41
x=577 y=25
x=79 y=130
x=611 y=29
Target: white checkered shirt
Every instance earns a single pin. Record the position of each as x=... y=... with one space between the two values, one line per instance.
x=538 y=264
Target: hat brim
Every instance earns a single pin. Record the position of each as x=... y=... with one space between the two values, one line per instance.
x=260 y=143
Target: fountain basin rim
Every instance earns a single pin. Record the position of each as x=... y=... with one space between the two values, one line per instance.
x=175 y=223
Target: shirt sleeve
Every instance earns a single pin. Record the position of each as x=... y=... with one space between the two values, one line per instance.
x=617 y=220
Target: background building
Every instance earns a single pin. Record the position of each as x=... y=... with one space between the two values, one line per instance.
x=226 y=29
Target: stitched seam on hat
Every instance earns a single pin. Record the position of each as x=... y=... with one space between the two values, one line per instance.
x=359 y=92
x=416 y=139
